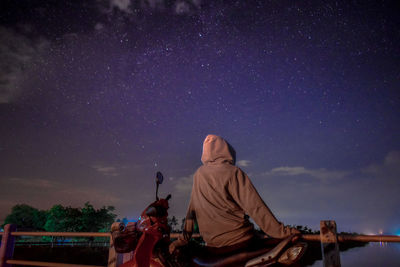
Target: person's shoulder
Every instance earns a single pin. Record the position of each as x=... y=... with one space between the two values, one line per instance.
x=233 y=168
x=201 y=170
x=239 y=173
x=239 y=170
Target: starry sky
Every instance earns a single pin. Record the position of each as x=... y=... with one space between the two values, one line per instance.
x=98 y=95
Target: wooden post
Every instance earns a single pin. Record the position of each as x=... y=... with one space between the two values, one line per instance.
x=7 y=245
x=329 y=244
x=114 y=259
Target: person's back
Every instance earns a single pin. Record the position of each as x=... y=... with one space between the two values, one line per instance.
x=222 y=195
x=221 y=220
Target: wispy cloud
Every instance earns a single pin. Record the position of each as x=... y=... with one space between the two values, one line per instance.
x=243 y=163
x=178 y=7
x=388 y=169
x=183 y=185
x=123 y=5
x=40 y=183
x=106 y=170
x=341 y=194
x=17 y=55
x=322 y=174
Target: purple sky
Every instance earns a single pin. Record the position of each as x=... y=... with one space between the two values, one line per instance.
x=98 y=95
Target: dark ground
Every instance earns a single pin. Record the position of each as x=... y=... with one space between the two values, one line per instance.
x=72 y=255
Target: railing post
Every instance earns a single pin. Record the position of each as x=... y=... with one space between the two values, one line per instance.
x=114 y=259
x=329 y=244
x=7 y=245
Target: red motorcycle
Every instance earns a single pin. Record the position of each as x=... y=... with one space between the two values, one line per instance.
x=149 y=239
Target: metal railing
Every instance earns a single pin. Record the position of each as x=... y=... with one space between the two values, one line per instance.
x=328 y=238
x=8 y=243
x=341 y=238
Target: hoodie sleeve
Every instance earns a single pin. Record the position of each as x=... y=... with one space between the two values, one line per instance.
x=247 y=197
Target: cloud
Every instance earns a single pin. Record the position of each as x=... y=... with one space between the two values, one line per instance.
x=106 y=170
x=322 y=174
x=123 y=5
x=40 y=183
x=389 y=169
x=154 y=4
x=358 y=199
x=178 y=7
x=184 y=185
x=17 y=55
x=243 y=163
x=99 y=26
x=181 y=7
x=186 y=7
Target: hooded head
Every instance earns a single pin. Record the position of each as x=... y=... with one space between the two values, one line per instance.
x=217 y=150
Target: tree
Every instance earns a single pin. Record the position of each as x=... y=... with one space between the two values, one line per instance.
x=173 y=222
x=26 y=217
x=93 y=220
x=195 y=226
x=86 y=219
x=62 y=219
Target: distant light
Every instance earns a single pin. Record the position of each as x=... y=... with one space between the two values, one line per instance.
x=369 y=232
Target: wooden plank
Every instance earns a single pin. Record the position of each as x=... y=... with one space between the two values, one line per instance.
x=369 y=238
x=68 y=234
x=329 y=244
x=359 y=238
x=48 y=264
x=176 y=235
x=307 y=237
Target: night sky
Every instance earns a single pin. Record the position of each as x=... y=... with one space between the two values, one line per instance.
x=98 y=95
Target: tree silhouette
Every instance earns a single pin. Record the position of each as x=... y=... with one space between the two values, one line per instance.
x=62 y=219
x=26 y=217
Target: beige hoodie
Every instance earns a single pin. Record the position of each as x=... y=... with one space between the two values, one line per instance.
x=222 y=195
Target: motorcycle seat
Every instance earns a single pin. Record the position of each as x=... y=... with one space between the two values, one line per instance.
x=240 y=257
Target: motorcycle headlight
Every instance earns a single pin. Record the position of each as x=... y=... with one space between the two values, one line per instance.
x=125 y=238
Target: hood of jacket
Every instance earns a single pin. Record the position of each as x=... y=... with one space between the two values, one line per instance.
x=217 y=150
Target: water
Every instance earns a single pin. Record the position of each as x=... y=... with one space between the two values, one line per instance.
x=372 y=255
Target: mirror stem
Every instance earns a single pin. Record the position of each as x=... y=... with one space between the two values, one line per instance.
x=157 y=192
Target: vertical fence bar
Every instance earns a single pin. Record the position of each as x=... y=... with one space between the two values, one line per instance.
x=7 y=245
x=329 y=244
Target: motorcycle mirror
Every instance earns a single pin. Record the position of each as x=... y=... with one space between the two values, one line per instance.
x=159 y=178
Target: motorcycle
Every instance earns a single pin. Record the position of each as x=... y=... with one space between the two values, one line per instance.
x=149 y=239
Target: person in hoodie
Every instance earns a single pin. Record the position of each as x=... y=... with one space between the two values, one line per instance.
x=222 y=200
